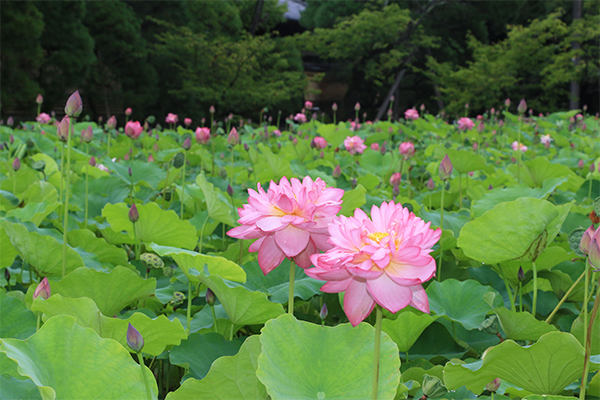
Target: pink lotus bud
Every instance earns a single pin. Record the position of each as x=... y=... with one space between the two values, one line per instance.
x=210 y=297
x=334 y=106
x=466 y=105
x=11 y=139
x=42 y=290
x=584 y=126
x=111 y=123
x=135 y=341
x=337 y=172
x=63 y=129
x=407 y=149
x=87 y=134
x=382 y=149
x=357 y=106
x=492 y=111
x=396 y=190
x=134 y=215
x=308 y=105
x=39 y=99
x=16 y=165
x=594 y=254
x=212 y=109
x=171 y=118
x=74 y=105
x=133 y=129
x=246 y=147
x=234 y=137
x=580 y=164
x=422 y=108
x=319 y=143
x=507 y=103
x=187 y=143
x=395 y=179
x=445 y=168
x=430 y=184
x=586 y=239
x=493 y=385
x=501 y=123
x=522 y=106
x=295 y=141
x=128 y=111
x=10 y=121
x=470 y=173
x=187 y=121
x=323 y=313
x=92 y=161
x=202 y=135
x=375 y=146
x=475 y=146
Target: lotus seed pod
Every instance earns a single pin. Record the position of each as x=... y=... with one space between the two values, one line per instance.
x=178 y=160
x=152 y=260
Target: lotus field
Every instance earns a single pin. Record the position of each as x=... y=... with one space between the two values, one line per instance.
x=408 y=259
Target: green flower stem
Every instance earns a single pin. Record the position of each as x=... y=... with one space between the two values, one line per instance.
x=334 y=122
x=66 y=204
x=378 y=317
x=535 y=286
x=520 y=296
x=137 y=244
x=108 y=134
x=291 y=294
x=586 y=288
x=460 y=196
x=183 y=183
x=564 y=298
x=87 y=150
x=519 y=154
x=166 y=184
x=439 y=274
x=212 y=309
x=508 y=290
x=189 y=307
x=231 y=175
x=146 y=383
x=39 y=320
x=15 y=185
x=231 y=333
x=212 y=150
x=588 y=345
x=62 y=171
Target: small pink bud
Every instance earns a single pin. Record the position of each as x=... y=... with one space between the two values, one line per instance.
x=522 y=106
x=111 y=123
x=187 y=121
x=375 y=146
x=150 y=158
x=74 y=105
x=430 y=184
x=475 y=146
x=87 y=134
x=16 y=165
x=594 y=254
x=187 y=143
x=334 y=106
x=507 y=103
x=210 y=297
x=357 y=106
x=493 y=385
x=422 y=108
x=93 y=161
x=323 y=312
x=580 y=164
x=470 y=173
x=42 y=290
x=395 y=179
x=234 y=137
x=396 y=190
x=445 y=168
x=337 y=172
x=135 y=341
x=134 y=216
x=212 y=109
x=11 y=139
x=521 y=274
x=39 y=99
x=63 y=129
x=128 y=111
x=10 y=121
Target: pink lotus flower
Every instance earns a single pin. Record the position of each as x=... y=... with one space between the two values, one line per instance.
x=382 y=260
x=301 y=118
x=111 y=123
x=234 y=137
x=277 y=133
x=133 y=129
x=354 y=126
x=586 y=239
x=187 y=121
x=171 y=118
x=411 y=114
x=42 y=290
x=289 y=220
x=407 y=149
x=465 y=124
x=319 y=143
x=518 y=146
x=202 y=135
x=354 y=144
x=43 y=118
x=546 y=140
x=395 y=179
x=375 y=146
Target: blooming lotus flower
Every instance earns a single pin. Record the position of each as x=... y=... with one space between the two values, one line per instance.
x=301 y=118
x=411 y=114
x=202 y=135
x=74 y=105
x=382 y=260
x=518 y=146
x=277 y=133
x=546 y=140
x=354 y=144
x=171 y=118
x=407 y=149
x=465 y=124
x=133 y=129
x=289 y=220
x=42 y=290
x=43 y=118
x=319 y=143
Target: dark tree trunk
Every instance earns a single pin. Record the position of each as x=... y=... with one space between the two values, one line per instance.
x=574 y=99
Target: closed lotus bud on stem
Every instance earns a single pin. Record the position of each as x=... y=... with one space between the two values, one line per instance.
x=323 y=312
x=39 y=99
x=396 y=190
x=16 y=165
x=594 y=254
x=74 y=105
x=129 y=171
x=210 y=297
x=493 y=385
x=87 y=134
x=357 y=106
x=93 y=161
x=42 y=290
x=430 y=184
x=445 y=168
x=187 y=143
x=187 y=121
x=63 y=129
x=128 y=111
x=7 y=274
x=11 y=139
x=135 y=341
x=229 y=190
x=521 y=274
x=580 y=164
x=212 y=109
x=134 y=216
x=334 y=106
x=337 y=172
x=507 y=103
x=522 y=106
x=234 y=137
x=10 y=121
x=111 y=123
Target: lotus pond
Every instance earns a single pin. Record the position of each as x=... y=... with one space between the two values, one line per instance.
x=459 y=260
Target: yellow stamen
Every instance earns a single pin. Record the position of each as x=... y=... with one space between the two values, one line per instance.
x=377 y=236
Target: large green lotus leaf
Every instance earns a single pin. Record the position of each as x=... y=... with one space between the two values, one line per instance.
x=546 y=367
x=155 y=225
x=406 y=328
x=352 y=200
x=50 y=165
x=12 y=388
x=24 y=178
x=464 y=161
x=460 y=301
x=453 y=221
x=230 y=377
x=111 y=291
x=198 y=352
x=43 y=252
x=106 y=253
x=334 y=134
x=519 y=229
x=474 y=339
x=300 y=360
x=539 y=169
x=8 y=253
x=34 y=212
x=271 y=166
x=67 y=361
x=546 y=397
x=522 y=326
x=187 y=259
x=577 y=331
x=496 y=196
x=17 y=321
x=243 y=306
x=158 y=333
x=141 y=172
x=218 y=207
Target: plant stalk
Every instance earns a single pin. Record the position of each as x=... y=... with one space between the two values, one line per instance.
x=439 y=275
x=564 y=298
x=212 y=308
x=588 y=345
x=535 y=286
x=189 y=307
x=87 y=150
x=291 y=293
x=183 y=183
x=146 y=383
x=378 y=317
x=66 y=203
